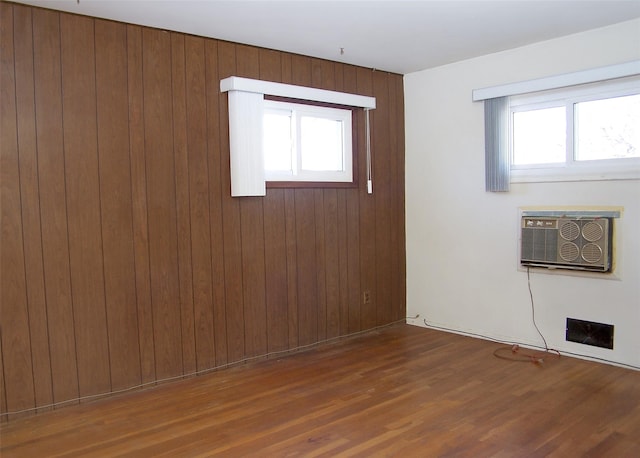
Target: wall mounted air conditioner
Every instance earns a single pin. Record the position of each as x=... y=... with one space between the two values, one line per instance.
x=579 y=243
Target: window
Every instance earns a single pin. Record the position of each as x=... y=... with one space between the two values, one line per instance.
x=584 y=131
x=306 y=143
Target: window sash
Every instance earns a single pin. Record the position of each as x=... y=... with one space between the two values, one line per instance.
x=569 y=98
x=297 y=172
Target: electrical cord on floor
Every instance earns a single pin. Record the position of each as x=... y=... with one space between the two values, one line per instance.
x=515 y=354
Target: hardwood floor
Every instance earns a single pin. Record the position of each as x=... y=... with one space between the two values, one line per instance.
x=397 y=391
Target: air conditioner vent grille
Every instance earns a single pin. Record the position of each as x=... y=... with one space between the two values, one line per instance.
x=591 y=253
x=569 y=251
x=592 y=232
x=569 y=230
x=582 y=243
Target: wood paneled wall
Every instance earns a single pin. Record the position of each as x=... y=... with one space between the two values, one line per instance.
x=124 y=258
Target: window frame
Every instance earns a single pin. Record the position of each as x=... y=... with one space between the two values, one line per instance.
x=307 y=180
x=572 y=169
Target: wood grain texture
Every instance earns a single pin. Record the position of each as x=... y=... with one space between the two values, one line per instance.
x=183 y=215
x=52 y=204
x=367 y=210
x=161 y=198
x=29 y=197
x=13 y=290
x=397 y=391
x=137 y=158
x=115 y=199
x=133 y=263
x=216 y=192
x=232 y=237
x=83 y=203
x=199 y=201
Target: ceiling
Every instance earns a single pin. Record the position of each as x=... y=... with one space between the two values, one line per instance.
x=398 y=36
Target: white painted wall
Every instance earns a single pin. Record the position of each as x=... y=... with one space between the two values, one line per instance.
x=462 y=242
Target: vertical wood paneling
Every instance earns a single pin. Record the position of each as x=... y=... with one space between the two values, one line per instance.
x=161 y=198
x=320 y=265
x=332 y=262
x=83 y=203
x=183 y=223
x=199 y=200
x=216 y=193
x=29 y=189
x=399 y=150
x=324 y=77
x=367 y=213
x=252 y=232
x=115 y=198
x=341 y=234
x=132 y=262
x=306 y=252
x=3 y=392
x=232 y=245
x=275 y=249
x=344 y=284
x=291 y=242
x=306 y=265
x=384 y=193
x=19 y=382
x=353 y=213
x=53 y=208
x=139 y=215
x=396 y=132
x=253 y=270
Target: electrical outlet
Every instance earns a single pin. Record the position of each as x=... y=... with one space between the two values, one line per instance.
x=366 y=297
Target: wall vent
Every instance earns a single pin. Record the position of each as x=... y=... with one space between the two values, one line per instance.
x=578 y=243
x=590 y=333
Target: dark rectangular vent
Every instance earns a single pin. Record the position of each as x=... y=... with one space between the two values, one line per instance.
x=590 y=333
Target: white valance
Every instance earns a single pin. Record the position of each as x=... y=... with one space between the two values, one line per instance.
x=557 y=81
x=236 y=83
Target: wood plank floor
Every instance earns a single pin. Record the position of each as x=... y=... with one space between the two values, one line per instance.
x=398 y=391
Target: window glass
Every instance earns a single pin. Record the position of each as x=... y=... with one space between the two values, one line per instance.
x=539 y=136
x=277 y=140
x=607 y=128
x=583 y=132
x=321 y=144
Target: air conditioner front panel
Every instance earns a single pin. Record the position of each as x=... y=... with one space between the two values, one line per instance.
x=566 y=243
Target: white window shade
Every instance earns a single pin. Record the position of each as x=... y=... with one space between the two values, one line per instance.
x=246 y=100
x=245 y=142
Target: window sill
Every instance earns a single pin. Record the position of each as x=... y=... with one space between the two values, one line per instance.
x=577 y=173
x=311 y=184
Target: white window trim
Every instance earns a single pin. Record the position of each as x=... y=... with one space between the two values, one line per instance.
x=236 y=83
x=298 y=174
x=572 y=170
x=245 y=129
x=559 y=81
